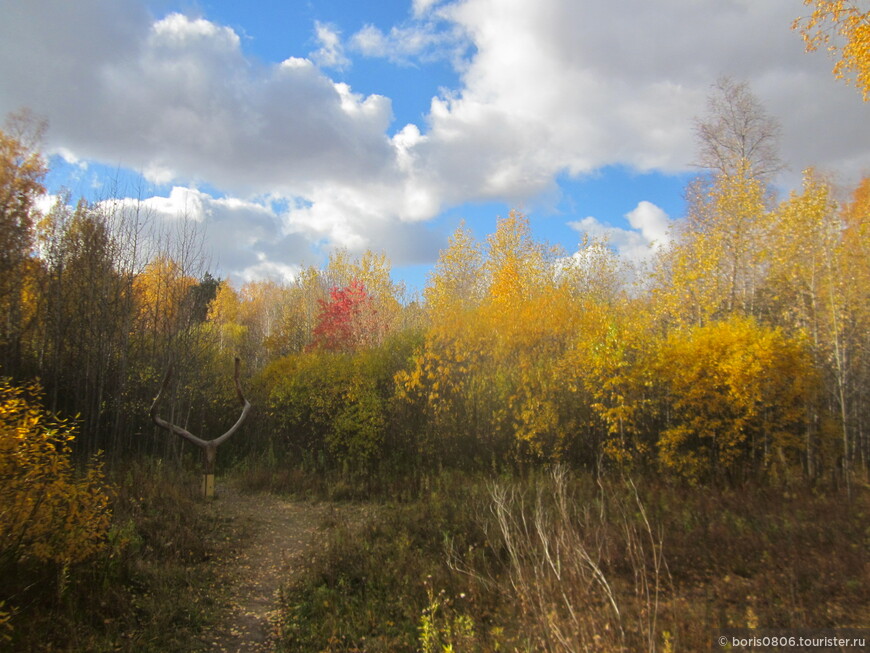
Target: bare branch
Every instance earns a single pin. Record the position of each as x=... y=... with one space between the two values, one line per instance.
x=738 y=130
x=246 y=407
x=205 y=444
x=162 y=423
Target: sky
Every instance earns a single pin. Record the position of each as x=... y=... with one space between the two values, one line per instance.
x=286 y=129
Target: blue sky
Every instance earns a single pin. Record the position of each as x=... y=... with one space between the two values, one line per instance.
x=287 y=129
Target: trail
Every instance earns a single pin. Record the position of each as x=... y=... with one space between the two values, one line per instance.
x=276 y=538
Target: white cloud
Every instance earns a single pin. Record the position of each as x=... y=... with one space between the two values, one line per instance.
x=272 y=237
x=558 y=86
x=177 y=31
x=421 y=7
x=331 y=51
x=241 y=239
x=547 y=88
x=267 y=270
x=652 y=222
x=649 y=232
x=178 y=99
x=424 y=41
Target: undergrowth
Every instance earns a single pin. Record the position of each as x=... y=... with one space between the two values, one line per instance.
x=451 y=562
x=149 y=589
x=571 y=563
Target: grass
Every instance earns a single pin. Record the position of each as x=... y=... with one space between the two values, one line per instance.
x=367 y=588
x=149 y=590
x=476 y=563
x=470 y=564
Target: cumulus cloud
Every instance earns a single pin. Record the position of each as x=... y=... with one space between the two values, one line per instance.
x=430 y=34
x=558 y=86
x=550 y=88
x=421 y=7
x=246 y=239
x=649 y=232
x=177 y=98
x=652 y=223
x=272 y=237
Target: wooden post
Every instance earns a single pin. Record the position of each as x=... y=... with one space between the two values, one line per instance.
x=208 y=486
x=209 y=457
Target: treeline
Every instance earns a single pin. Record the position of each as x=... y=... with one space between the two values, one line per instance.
x=742 y=355
x=739 y=352
x=98 y=298
x=95 y=302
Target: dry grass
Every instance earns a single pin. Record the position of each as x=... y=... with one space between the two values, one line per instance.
x=149 y=590
x=566 y=562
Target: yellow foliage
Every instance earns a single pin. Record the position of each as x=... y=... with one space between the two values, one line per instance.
x=856 y=251
x=736 y=391
x=489 y=367
x=47 y=511
x=162 y=291
x=612 y=364
x=714 y=266
x=456 y=281
x=804 y=282
x=843 y=29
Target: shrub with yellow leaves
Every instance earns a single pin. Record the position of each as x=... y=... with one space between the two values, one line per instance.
x=48 y=511
x=737 y=392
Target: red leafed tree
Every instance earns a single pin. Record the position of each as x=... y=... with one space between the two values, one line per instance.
x=348 y=320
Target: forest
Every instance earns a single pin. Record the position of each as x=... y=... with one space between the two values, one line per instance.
x=692 y=434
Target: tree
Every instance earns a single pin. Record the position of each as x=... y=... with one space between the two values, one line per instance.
x=302 y=308
x=202 y=296
x=715 y=263
x=373 y=271
x=224 y=314
x=455 y=283
x=737 y=136
x=50 y=513
x=842 y=27
x=736 y=395
x=22 y=170
x=163 y=291
x=516 y=265
x=348 y=320
x=595 y=272
x=817 y=282
x=714 y=266
x=610 y=368
x=488 y=379
x=86 y=313
x=856 y=264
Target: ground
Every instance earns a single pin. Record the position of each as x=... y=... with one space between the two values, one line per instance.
x=275 y=538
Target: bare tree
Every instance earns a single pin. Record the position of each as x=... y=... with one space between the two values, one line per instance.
x=737 y=131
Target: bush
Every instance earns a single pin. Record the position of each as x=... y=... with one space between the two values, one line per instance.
x=738 y=393
x=49 y=512
x=336 y=410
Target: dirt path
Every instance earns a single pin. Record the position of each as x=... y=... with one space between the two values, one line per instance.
x=276 y=538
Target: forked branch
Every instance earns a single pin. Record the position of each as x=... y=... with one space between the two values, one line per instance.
x=209 y=447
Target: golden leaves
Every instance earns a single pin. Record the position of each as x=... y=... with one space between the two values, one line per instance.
x=843 y=29
x=715 y=265
x=49 y=512
x=161 y=292
x=737 y=390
